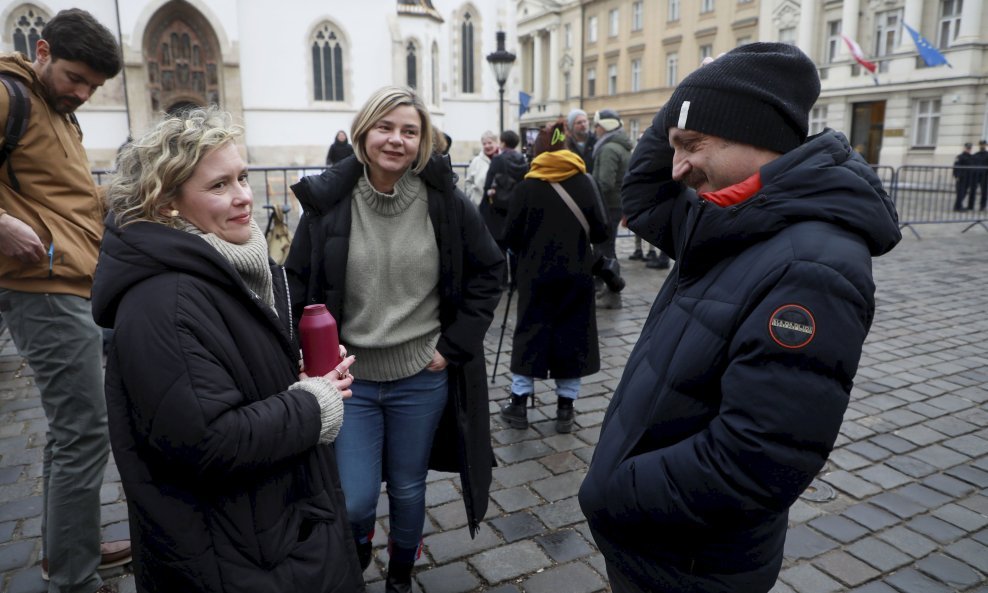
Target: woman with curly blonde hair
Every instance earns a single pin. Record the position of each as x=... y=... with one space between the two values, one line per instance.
x=223 y=448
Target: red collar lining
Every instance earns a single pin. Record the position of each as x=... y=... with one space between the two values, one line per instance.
x=735 y=194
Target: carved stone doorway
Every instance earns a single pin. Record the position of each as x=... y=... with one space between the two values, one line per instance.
x=183 y=60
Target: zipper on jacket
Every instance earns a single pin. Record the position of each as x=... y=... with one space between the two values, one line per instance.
x=288 y=301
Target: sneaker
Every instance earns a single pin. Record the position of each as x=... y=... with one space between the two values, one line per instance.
x=651 y=255
x=514 y=412
x=659 y=263
x=112 y=554
x=564 y=419
x=637 y=255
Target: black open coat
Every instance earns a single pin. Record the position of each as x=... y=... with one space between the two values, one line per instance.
x=470 y=268
x=228 y=490
x=556 y=332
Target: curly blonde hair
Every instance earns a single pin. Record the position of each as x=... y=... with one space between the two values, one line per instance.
x=152 y=169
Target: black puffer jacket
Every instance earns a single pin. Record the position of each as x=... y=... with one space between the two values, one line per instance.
x=733 y=397
x=470 y=266
x=227 y=488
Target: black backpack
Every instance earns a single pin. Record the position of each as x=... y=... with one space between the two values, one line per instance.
x=18 y=115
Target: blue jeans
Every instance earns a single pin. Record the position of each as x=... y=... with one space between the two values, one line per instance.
x=522 y=385
x=57 y=336
x=393 y=421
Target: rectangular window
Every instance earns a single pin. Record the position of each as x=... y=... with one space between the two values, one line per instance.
x=634 y=129
x=592 y=29
x=926 y=122
x=637 y=18
x=706 y=51
x=706 y=6
x=636 y=75
x=888 y=24
x=612 y=79
x=591 y=82
x=567 y=80
x=743 y=40
x=672 y=69
x=818 y=119
x=833 y=41
x=950 y=22
x=787 y=35
x=613 y=19
x=568 y=35
x=673 y=11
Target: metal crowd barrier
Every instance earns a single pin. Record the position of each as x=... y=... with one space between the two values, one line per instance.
x=923 y=194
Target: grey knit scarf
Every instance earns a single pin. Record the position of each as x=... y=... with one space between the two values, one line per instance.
x=250 y=259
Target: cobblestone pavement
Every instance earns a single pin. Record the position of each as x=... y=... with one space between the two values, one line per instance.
x=902 y=505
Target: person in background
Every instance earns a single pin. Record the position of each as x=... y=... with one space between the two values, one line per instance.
x=507 y=169
x=403 y=261
x=473 y=183
x=51 y=222
x=556 y=331
x=339 y=149
x=579 y=137
x=734 y=395
x=980 y=177
x=963 y=177
x=611 y=153
x=222 y=446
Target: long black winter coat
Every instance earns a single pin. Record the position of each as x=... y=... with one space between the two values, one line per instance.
x=556 y=332
x=734 y=395
x=227 y=487
x=470 y=268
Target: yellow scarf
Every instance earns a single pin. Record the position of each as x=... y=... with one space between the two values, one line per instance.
x=556 y=166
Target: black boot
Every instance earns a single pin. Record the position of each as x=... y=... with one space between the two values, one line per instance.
x=514 y=412
x=637 y=255
x=364 y=555
x=564 y=415
x=399 y=578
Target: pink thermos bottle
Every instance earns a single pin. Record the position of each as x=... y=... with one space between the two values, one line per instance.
x=320 y=340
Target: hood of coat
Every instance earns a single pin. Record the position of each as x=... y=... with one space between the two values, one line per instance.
x=318 y=193
x=822 y=180
x=142 y=250
x=515 y=163
x=617 y=137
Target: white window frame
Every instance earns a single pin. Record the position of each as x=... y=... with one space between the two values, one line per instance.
x=637 y=15
x=787 y=35
x=926 y=122
x=707 y=6
x=592 y=81
x=950 y=22
x=818 y=119
x=634 y=129
x=672 y=69
x=832 y=53
x=888 y=28
x=636 y=75
x=613 y=22
x=672 y=14
x=592 y=29
x=706 y=51
x=568 y=35
x=612 y=75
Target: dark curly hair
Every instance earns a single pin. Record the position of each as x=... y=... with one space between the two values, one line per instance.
x=76 y=36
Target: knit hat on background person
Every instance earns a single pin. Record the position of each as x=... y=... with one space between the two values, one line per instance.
x=607 y=119
x=968 y=144
x=572 y=117
x=758 y=94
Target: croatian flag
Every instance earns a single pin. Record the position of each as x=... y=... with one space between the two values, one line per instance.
x=858 y=54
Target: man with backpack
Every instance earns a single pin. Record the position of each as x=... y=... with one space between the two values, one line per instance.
x=51 y=222
x=507 y=169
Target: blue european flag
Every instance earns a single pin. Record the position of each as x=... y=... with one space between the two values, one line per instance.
x=930 y=54
x=523 y=100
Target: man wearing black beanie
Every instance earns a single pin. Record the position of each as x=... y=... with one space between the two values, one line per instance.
x=734 y=395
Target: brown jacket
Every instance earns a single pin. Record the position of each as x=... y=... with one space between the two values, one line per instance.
x=57 y=196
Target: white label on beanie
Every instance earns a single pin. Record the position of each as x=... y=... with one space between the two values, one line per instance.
x=684 y=112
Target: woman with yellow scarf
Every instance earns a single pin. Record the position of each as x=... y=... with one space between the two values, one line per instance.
x=554 y=216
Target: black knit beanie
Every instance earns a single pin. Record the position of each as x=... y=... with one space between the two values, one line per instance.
x=758 y=94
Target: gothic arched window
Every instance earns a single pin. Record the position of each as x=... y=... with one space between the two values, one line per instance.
x=411 y=65
x=435 y=73
x=25 y=28
x=466 y=54
x=327 y=64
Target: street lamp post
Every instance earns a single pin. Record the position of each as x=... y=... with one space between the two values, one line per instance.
x=501 y=61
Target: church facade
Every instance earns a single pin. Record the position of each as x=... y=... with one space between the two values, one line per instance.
x=293 y=72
